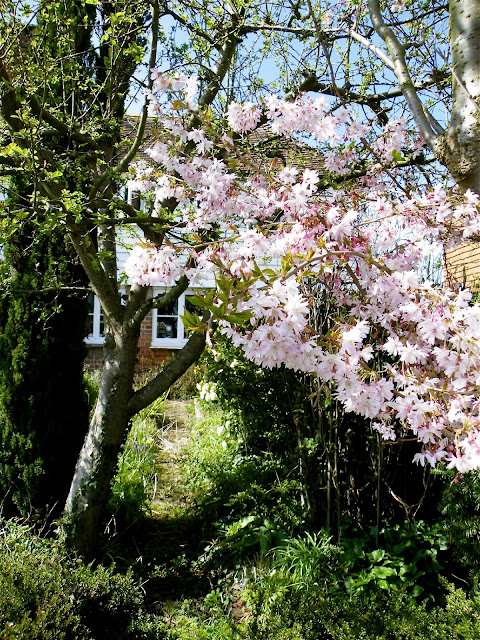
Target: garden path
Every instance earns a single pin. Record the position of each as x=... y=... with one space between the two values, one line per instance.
x=172 y=534
x=174 y=434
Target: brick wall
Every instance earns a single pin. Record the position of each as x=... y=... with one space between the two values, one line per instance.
x=463 y=265
x=148 y=357
x=94 y=357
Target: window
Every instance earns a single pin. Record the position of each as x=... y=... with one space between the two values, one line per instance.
x=134 y=198
x=96 y=325
x=167 y=326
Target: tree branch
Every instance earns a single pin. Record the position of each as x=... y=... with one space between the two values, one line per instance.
x=105 y=290
x=397 y=53
x=174 y=369
x=132 y=152
x=371 y=47
x=311 y=83
x=193 y=28
x=47 y=290
x=222 y=66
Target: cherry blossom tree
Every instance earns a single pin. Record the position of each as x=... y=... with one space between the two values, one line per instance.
x=350 y=242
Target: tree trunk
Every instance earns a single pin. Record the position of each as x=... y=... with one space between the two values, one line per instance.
x=97 y=461
x=116 y=405
x=460 y=147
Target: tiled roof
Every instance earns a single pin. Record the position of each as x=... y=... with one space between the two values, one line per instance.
x=262 y=145
x=130 y=124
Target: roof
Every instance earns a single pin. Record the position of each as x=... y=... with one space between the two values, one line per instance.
x=263 y=145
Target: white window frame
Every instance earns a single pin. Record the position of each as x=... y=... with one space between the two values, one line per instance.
x=96 y=337
x=181 y=339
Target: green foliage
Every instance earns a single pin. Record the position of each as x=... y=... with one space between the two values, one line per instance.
x=241 y=496
x=404 y=558
x=35 y=601
x=43 y=413
x=185 y=388
x=91 y=383
x=309 y=462
x=262 y=477
x=136 y=475
x=316 y=614
x=310 y=559
x=460 y=506
x=272 y=606
x=209 y=625
x=45 y=594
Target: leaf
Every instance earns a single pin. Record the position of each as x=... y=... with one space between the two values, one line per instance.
x=179 y=104
x=383 y=584
x=376 y=556
x=417 y=590
x=198 y=301
x=225 y=284
x=383 y=572
x=397 y=156
x=191 y=320
x=239 y=317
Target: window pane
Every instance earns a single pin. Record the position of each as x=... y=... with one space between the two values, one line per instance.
x=167 y=326
x=90 y=303
x=170 y=310
x=95 y=318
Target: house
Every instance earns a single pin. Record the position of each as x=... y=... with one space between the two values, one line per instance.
x=162 y=332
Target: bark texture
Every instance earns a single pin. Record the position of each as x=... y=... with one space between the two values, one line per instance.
x=460 y=147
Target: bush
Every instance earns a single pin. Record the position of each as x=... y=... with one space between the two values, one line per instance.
x=259 y=472
x=405 y=557
x=273 y=606
x=46 y=594
x=460 y=505
x=313 y=463
x=280 y=609
x=41 y=370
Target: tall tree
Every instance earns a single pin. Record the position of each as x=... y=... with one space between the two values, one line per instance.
x=42 y=329
x=43 y=409
x=73 y=152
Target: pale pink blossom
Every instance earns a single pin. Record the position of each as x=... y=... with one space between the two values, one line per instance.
x=363 y=248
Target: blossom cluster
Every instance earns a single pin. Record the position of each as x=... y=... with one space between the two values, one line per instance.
x=402 y=352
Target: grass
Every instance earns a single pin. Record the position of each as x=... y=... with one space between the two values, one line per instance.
x=137 y=478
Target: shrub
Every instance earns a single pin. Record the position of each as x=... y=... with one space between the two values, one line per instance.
x=258 y=473
x=460 y=505
x=41 y=375
x=281 y=609
x=405 y=557
x=291 y=431
x=46 y=595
